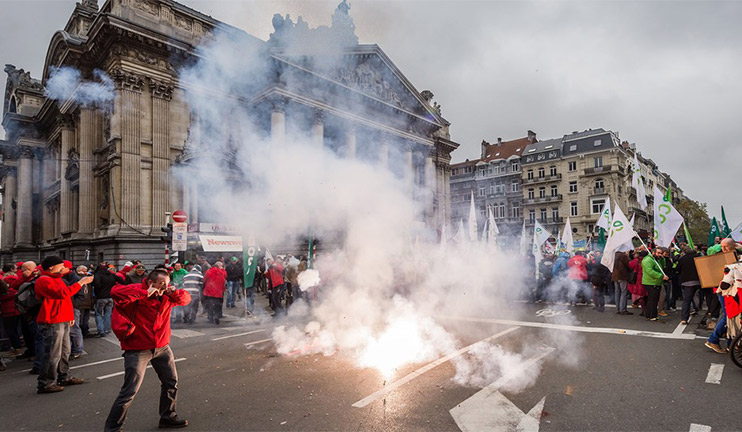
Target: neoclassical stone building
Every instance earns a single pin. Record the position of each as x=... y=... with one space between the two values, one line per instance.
x=94 y=182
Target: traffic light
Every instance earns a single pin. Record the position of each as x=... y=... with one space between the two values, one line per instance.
x=168 y=230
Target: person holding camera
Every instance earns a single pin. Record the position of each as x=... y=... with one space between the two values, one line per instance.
x=141 y=321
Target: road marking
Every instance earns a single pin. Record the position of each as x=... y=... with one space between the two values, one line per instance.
x=680 y=328
x=714 y=375
x=185 y=333
x=605 y=330
x=699 y=428
x=84 y=365
x=112 y=339
x=248 y=345
x=237 y=335
x=488 y=409
x=101 y=378
x=404 y=380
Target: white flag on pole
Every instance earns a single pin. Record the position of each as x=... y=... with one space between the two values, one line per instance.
x=633 y=218
x=484 y=238
x=667 y=220
x=460 y=236
x=472 y=220
x=619 y=234
x=636 y=182
x=523 y=240
x=569 y=243
x=536 y=250
x=604 y=221
x=492 y=230
x=737 y=233
x=540 y=234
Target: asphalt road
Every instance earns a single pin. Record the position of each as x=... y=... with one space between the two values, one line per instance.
x=597 y=371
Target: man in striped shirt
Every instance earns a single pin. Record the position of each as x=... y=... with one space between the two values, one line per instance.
x=193 y=283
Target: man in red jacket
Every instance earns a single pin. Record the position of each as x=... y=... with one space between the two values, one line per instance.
x=141 y=321
x=53 y=323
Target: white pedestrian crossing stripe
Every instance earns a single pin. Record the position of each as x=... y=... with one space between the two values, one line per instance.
x=185 y=333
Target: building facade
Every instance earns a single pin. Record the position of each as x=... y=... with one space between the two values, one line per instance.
x=94 y=183
x=495 y=181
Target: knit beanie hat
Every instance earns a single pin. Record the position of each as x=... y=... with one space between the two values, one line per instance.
x=51 y=261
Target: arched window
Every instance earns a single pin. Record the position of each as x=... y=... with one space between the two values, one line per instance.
x=599 y=184
x=12 y=108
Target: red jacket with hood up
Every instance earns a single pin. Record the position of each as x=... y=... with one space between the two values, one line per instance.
x=149 y=315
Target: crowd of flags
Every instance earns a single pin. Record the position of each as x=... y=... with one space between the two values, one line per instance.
x=618 y=228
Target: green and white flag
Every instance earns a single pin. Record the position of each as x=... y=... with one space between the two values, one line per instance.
x=713 y=232
x=725 y=231
x=688 y=239
x=536 y=248
x=636 y=182
x=619 y=235
x=604 y=221
x=523 y=240
x=540 y=234
x=667 y=220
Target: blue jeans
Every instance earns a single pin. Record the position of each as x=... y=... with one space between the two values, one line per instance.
x=177 y=315
x=721 y=326
x=103 y=309
x=76 y=334
x=232 y=288
x=621 y=294
x=250 y=300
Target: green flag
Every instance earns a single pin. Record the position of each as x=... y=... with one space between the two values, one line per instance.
x=688 y=239
x=601 y=239
x=668 y=195
x=713 y=232
x=725 y=231
x=249 y=261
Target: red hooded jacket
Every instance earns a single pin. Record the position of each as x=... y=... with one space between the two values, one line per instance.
x=56 y=298
x=577 y=268
x=7 y=304
x=215 y=281
x=150 y=316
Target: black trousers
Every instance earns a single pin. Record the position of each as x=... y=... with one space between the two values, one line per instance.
x=688 y=293
x=135 y=364
x=653 y=299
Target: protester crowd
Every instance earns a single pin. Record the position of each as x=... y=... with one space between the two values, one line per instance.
x=212 y=287
x=651 y=280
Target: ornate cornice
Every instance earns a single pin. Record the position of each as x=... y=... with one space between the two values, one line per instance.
x=161 y=89
x=125 y=80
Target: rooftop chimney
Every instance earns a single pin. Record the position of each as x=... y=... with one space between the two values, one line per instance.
x=531 y=136
x=485 y=144
x=499 y=142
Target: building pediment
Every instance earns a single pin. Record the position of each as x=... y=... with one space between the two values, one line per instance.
x=365 y=69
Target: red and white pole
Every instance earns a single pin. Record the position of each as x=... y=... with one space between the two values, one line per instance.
x=167 y=254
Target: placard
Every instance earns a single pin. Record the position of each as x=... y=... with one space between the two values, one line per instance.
x=711 y=268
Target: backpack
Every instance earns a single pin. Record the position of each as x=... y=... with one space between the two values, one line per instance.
x=632 y=277
x=25 y=300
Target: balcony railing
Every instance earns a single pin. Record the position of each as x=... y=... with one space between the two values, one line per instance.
x=545 y=179
x=598 y=191
x=543 y=199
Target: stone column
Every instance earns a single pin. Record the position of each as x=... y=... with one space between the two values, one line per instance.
x=65 y=194
x=408 y=173
x=90 y=136
x=383 y=152
x=161 y=96
x=278 y=123
x=23 y=229
x=9 y=210
x=127 y=109
x=350 y=142
x=318 y=131
x=193 y=214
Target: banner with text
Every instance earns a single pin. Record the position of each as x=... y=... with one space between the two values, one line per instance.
x=220 y=243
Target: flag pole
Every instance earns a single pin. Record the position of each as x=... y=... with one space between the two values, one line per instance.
x=650 y=254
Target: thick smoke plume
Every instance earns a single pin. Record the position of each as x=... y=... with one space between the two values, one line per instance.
x=383 y=281
x=66 y=83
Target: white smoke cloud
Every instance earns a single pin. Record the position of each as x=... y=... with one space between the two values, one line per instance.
x=382 y=282
x=66 y=83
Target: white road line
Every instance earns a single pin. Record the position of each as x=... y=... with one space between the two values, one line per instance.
x=248 y=345
x=680 y=329
x=185 y=333
x=714 y=375
x=404 y=380
x=605 y=330
x=84 y=365
x=112 y=339
x=699 y=428
x=237 y=335
x=101 y=378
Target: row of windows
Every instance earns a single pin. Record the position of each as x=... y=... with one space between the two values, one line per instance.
x=571 y=167
x=498 y=210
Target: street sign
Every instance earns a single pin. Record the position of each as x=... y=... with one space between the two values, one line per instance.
x=180 y=236
x=179 y=216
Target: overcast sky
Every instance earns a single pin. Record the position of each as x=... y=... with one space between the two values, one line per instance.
x=665 y=74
